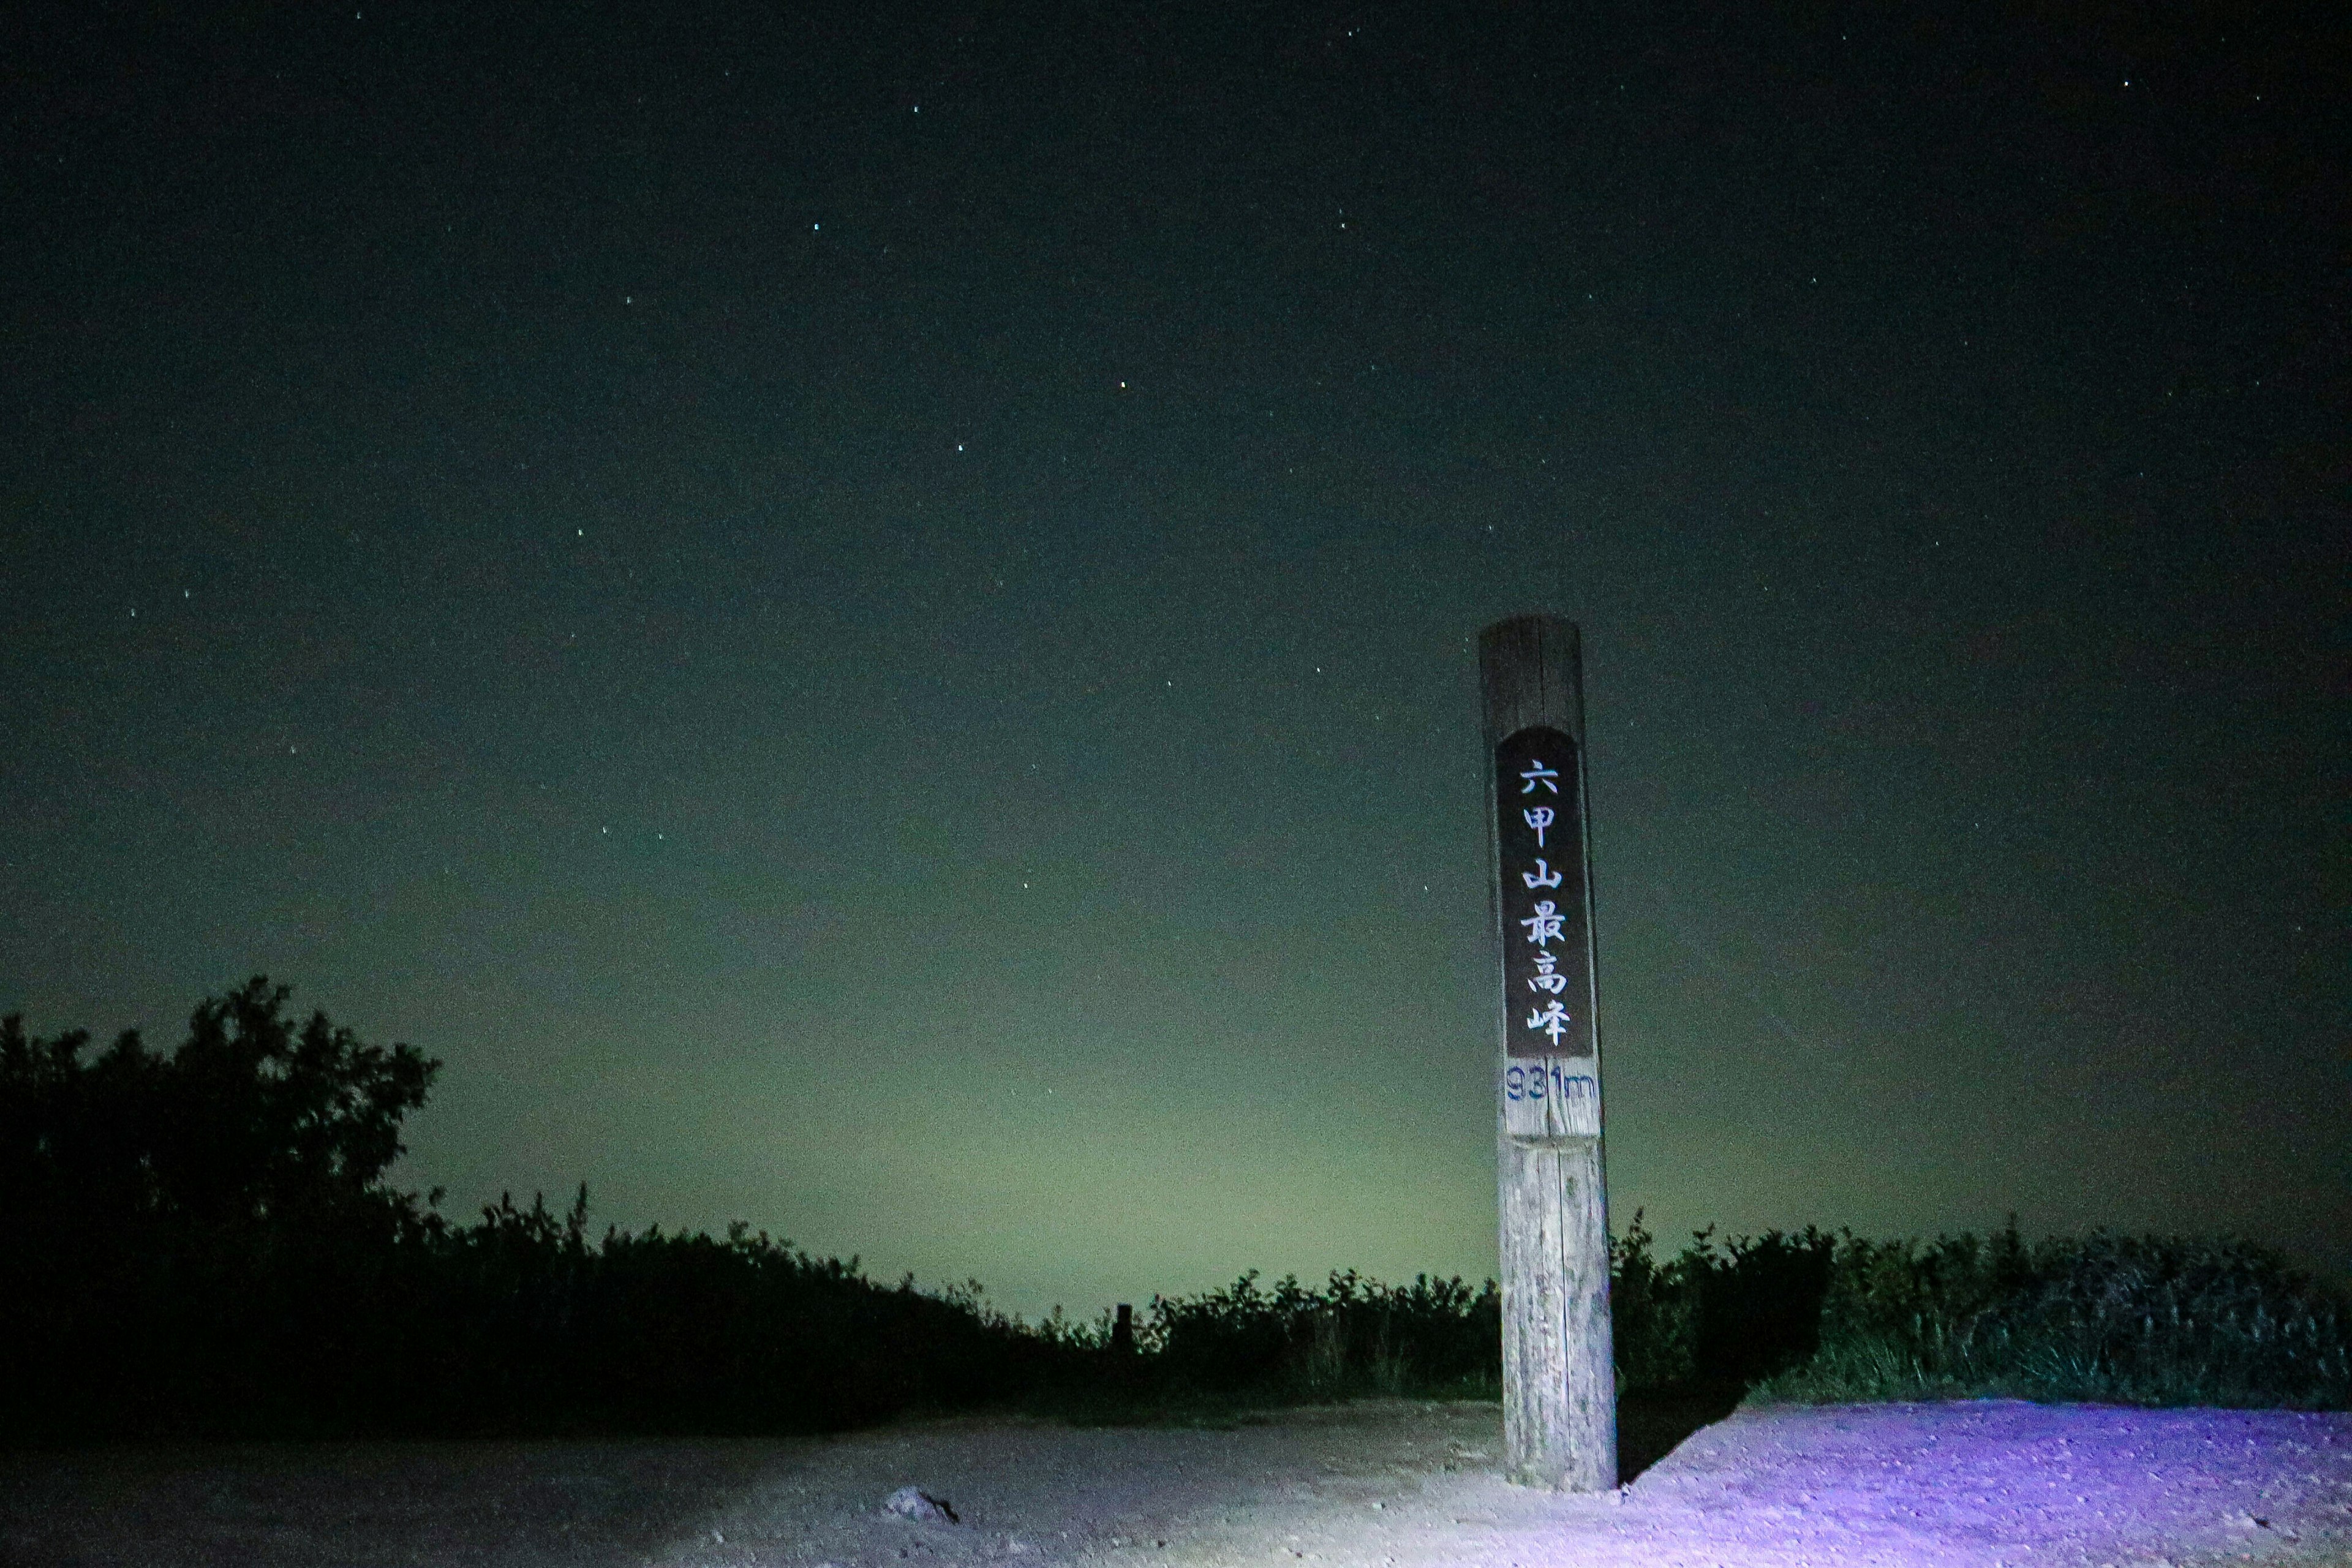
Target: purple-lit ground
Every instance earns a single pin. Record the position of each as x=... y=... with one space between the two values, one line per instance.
x=1384 y=1486
x=1952 y=1486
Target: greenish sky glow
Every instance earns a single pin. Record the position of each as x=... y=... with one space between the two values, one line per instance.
x=866 y=623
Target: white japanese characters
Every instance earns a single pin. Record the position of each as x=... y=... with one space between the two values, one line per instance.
x=1548 y=923
x=1543 y=930
x=1551 y=1086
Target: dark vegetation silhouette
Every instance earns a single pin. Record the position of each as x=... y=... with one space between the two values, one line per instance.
x=2112 y=1318
x=204 y=1243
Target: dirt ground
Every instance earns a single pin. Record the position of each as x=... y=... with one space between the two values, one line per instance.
x=1396 y=1484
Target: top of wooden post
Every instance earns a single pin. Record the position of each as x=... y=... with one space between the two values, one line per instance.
x=1529 y=673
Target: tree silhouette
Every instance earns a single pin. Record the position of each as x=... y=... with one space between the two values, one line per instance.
x=265 y=1123
x=179 y=1223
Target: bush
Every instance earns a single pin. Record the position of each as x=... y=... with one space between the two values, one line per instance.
x=2106 y=1318
x=1716 y=1316
x=547 y=1330
x=177 y=1222
x=1353 y=1336
x=203 y=1244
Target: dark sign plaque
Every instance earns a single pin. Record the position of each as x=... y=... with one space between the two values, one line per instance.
x=1547 y=955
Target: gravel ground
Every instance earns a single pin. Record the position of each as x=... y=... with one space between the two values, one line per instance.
x=1397 y=1485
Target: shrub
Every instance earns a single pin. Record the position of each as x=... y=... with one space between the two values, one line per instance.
x=203 y=1244
x=1718 y=1315
x=2107 y=1318
x=1353 y=1336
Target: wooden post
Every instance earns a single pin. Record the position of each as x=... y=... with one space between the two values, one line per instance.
x=1560 y=1386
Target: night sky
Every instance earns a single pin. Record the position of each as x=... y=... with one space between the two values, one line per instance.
x=864 y=618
